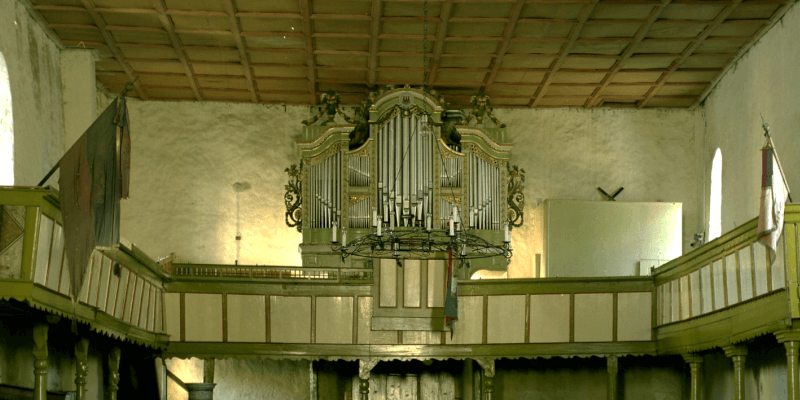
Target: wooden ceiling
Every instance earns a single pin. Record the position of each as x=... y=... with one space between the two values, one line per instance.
x=525 y=53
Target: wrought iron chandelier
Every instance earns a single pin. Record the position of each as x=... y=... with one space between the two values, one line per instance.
x=417 y=240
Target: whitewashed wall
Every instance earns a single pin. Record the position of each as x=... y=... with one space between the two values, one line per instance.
x=186 y=157
x=34 y=71
x=765 y=81
x=568 y=153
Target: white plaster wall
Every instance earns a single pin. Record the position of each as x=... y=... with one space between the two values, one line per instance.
x=186 y=157
x=765 y=81
x=568 y=153
x=34 y=70
x=248 y=378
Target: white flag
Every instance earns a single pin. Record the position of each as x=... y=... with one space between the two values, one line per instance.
x=773 y=200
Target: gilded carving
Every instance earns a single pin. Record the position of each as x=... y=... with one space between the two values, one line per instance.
x=516 y=199
x=475 y=149
x=357 y=198
x=480 y=108
x=294 y=197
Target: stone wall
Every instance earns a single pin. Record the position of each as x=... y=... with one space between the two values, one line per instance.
x=33 y=61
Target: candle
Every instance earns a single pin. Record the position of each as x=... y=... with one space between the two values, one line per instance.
x=507 y=237
x=333 y=233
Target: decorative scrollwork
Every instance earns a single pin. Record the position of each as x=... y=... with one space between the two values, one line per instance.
x=294 y=197
x=516 y=199
x=480 y=103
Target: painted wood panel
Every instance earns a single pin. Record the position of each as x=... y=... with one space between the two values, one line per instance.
x=172 y=315
x=436 y=283
x=469 y=327
x=746 y=273
x=778 y=268
x=422 y=337
x=55 y=256
x=412 y=283
x=105 y=277
x=732 y=278
x=549 y=318
x=760 y=265
x=634 y=313
x=694 y=283
x=719 y=284
x=247 y=318
x=144 y=306
x=94 y=279
x=506 y=319
x=685 y=296
x=124 y=282
x=290 y=319
x=334 y=319
x=388 y=283
x=707 y=289
x=203 y=317
x=365 y=335
x=594 y=317
x=675 y=304
x=43 y=249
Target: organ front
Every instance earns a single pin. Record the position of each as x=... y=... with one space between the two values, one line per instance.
x=408 y=189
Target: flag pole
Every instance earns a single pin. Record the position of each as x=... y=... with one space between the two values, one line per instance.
x=769 y=143
x=128 y=88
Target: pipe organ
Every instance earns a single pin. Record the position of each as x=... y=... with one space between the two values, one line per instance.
x=406 y=165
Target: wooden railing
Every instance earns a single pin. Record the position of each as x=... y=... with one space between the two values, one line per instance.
x=123 y=290
x=725 y=272
x=271 y=274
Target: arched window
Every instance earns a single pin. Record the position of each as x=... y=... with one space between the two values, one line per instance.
x=6 y=127
x=715 y=203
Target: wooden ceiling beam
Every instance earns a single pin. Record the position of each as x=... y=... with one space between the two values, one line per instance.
x=244 y=58
x=375 y=30
x=565 y=50
x=655 y=13
x=411 y=19
x=353 y=17
x=166 y=22
x=305 y=12
x=688 y=51
x=441 y=33
x=511 y=26
x=112 y=46
x=342 y=35
x=269 y=15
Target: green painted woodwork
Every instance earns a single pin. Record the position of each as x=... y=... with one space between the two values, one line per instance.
x=735 y=324
x=404 y=352
x=29 y=241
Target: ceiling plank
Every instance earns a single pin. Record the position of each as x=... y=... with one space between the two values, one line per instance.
x=511 y=26
x=438 y=48
x=688 y=52
x=779 y=13
x=112 y=46
x=230 y=9
x=375 y=30
x=655 y=13
x=565 y=49
x=161 y=7
x=305 y=12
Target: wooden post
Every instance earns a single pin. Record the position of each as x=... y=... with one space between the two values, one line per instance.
x=364 y=368
x=792 y=387
x=466 y=380
x=612 y=364
x=695 y=364
x=113 y=373
x=208 y=370
x=40 y=364
x=488 y=377
x=738 y=354
x=81 y=367
x=791 y=340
